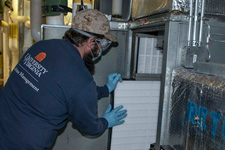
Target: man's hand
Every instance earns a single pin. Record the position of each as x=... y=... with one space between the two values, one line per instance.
x=115 y=116
x=112 y=81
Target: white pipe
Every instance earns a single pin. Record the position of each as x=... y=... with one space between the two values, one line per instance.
x=128 y=16
x=1 y=50
x=15 y=4
x=28 y=40
x=15 y=59
x=117 y=8
x=55 y=20
x=18 y=19
x=3 y=24
x=190 y=22
x=1 y=39
x=36 y=19
x=13 y=40
x=22 y=19
x=6 y=54
x=27 y=24
x=14 y=49
x=201 y=22
x=195 y=23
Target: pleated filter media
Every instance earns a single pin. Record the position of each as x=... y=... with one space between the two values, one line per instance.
x=149 y=58
x=141 y=99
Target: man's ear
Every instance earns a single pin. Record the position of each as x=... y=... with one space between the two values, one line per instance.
x=90 y=41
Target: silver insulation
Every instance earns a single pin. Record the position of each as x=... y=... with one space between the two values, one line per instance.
x=150 y=7
x=179 y=4
x=197 y=111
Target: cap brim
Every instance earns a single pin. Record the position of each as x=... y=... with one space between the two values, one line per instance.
x=111 y=37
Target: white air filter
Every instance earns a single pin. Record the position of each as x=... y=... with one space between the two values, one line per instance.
x=141 y=99
x=149 y=57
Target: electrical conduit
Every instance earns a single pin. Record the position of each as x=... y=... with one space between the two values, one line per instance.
x=190 y=22
x=195 y=23
x=201 y=23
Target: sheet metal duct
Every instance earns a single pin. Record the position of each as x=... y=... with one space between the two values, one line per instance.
x=197 y=111
x=150 y=7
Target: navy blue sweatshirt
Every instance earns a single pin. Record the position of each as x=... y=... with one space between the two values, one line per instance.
x=49 y=84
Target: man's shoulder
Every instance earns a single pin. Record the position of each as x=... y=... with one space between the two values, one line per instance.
x=51 y=41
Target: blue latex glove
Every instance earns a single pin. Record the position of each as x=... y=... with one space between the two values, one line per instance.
x=112 y=81
x=115 y=116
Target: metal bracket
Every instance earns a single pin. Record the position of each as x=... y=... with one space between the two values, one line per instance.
x=118 y=25
x=123 y=26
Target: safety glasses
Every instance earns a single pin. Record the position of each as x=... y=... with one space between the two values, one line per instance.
x=104 y=43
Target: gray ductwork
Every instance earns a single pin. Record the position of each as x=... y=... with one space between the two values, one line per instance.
x=36 y=19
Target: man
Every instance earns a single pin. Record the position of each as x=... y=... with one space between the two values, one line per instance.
x=51 y=83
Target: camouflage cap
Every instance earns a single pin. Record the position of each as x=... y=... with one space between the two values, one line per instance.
x=93 y=21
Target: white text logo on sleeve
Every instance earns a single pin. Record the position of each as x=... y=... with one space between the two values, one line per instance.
x=34 y=65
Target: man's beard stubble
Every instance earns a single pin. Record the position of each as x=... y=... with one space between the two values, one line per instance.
x=89 y=63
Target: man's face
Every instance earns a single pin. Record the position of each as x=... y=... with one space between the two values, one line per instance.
x=96 y=46
x=93 y=52
x=93 y=49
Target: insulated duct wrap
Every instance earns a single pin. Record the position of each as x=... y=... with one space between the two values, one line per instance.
x=197 y=112
x=145 y=8
x=139 y=8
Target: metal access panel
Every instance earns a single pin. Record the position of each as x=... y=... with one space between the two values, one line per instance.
x=53 y=31
x=197 y=111
x=167 y=39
